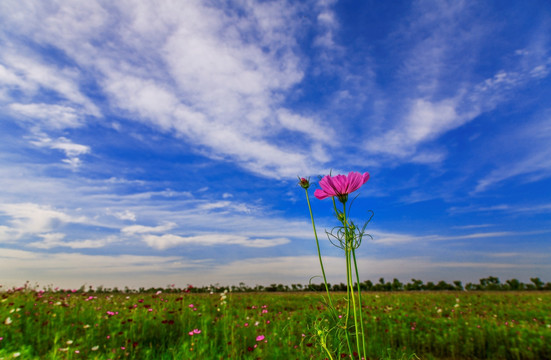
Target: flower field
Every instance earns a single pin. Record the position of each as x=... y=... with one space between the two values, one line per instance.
x=70 y=324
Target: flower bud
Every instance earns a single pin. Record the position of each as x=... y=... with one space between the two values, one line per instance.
x=304 y=183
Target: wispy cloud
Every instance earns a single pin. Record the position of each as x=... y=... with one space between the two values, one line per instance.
x=35 y=219
x=140 y=229
x=386 y=238
x=72 y=151
x=225 y=90
x=169 y=240
x=504 y=208
x=528 y=152
x=436 y=100
x=75 y=269
x=53 y=240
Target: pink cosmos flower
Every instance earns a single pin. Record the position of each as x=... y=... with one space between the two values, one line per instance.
x=194 y=332
x=260 y=337
x=340 y=185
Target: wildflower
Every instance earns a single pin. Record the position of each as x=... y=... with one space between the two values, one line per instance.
x=194 y=332
x=304 y=183
x=8 y=321
x=95 y=348
x=340 y=185
x=260 y=337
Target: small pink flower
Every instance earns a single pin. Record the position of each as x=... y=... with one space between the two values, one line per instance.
x=194 y=332
x=340 y=185
x=260 y=337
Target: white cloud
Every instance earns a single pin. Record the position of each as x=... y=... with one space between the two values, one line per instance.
x=7 y=234
x=226 y=206
x=170 y=240
x=76 y=269
x=140 y=229
x=306 y=125
x=125 y=215
x=387 y=238
x=71 y=150
x=29 y=218
x=440 y=94
x=48 y=115
x=527 y=153
x=52 y=240
x=22 y=71
x=424 y=121
x=205 y=74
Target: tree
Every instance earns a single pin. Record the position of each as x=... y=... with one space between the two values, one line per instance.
x=514 y=284
x=415 y=285
x=397 y=285
x=490 y=283
x=442 y=285
x=538 y=284
x=368 y=285
x=458 y=285
x=429 y=286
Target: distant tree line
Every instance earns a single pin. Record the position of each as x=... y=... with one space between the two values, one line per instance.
x=486 y=284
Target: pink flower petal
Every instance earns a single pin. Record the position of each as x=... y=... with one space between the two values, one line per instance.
x=340 y=185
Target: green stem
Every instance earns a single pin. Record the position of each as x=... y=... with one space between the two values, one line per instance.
x=319 y=251
x=348 y=287
x=360 y=300
x=348 y=250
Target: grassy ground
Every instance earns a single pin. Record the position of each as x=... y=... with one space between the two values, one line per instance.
x=439 y=325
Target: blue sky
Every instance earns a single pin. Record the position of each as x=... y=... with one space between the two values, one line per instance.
x=146 y=143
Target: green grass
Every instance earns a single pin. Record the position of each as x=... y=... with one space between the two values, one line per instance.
x=439 y=325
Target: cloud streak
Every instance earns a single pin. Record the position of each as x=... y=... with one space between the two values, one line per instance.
x=226 y=92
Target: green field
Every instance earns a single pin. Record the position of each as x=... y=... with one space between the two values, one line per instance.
x=431 y=325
